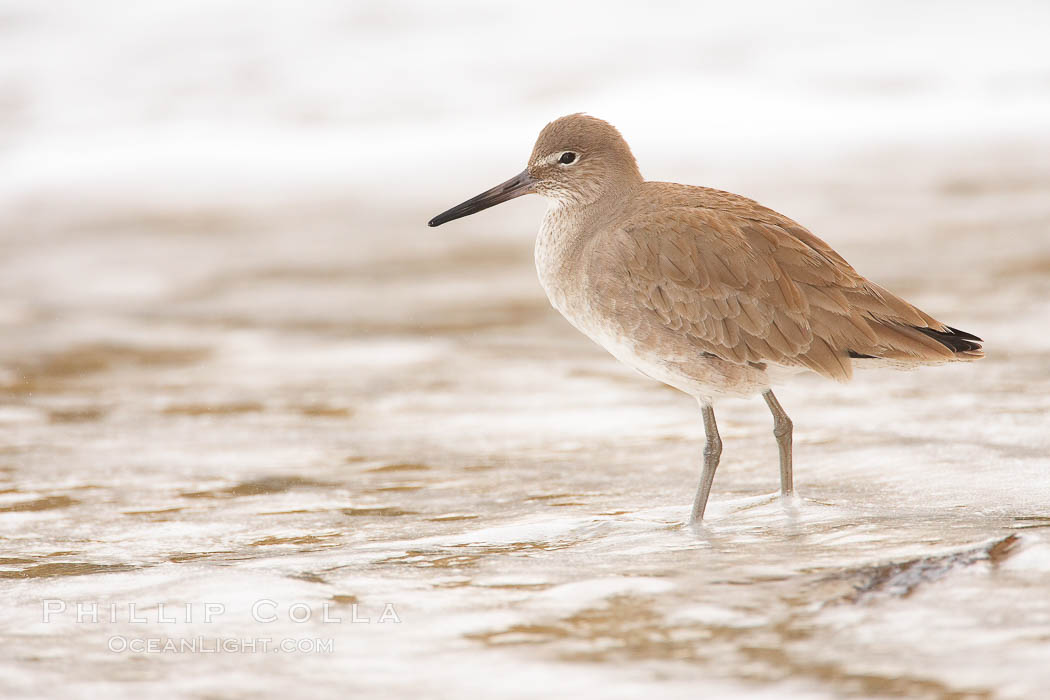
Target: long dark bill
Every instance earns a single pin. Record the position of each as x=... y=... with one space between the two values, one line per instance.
x=518 y=185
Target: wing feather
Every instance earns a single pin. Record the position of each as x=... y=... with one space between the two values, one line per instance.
x=751 y=286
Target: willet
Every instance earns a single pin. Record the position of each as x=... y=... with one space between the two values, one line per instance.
x=704 y=290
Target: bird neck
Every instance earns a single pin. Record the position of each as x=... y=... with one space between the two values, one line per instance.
x=592 y=216
x=566 y=230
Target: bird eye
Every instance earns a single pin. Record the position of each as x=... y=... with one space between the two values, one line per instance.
x=567 y=157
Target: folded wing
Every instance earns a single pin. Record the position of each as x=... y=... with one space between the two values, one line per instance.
x=748 y=285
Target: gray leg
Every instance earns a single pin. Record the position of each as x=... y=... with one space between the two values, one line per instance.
x=782 y=430
x=712 y=451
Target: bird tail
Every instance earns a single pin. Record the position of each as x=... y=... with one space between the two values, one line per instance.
x=915 y=345
x=966 y=346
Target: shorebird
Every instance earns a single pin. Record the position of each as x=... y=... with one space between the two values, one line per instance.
x=706 y=291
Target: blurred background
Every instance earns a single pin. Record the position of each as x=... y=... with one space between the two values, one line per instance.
x=235 y=360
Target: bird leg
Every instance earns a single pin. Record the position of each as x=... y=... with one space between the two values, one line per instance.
x=712 y=451
x=782 y=430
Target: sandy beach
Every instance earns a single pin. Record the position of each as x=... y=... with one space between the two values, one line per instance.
x=239 y=375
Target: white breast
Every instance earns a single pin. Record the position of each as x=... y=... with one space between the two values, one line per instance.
x=554 y=248
x=563 y=278
x=562 y=275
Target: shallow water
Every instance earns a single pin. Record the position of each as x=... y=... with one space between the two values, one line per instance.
x=295 y=415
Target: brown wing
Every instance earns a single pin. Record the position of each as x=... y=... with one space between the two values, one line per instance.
x=764 y=289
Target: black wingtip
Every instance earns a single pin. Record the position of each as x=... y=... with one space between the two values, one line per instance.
x=964 y=335
x=954 y=339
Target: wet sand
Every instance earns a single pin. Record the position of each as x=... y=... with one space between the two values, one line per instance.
x=280 y=415
x=248 y=399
